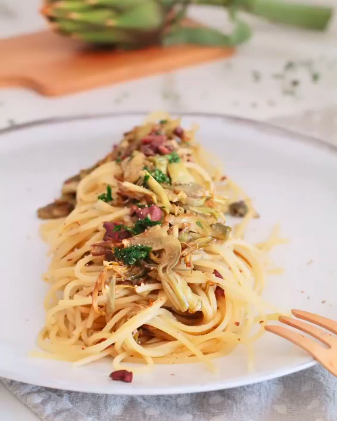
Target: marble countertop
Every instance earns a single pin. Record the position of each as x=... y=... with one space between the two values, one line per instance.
x=280 y=72
x=284 y=75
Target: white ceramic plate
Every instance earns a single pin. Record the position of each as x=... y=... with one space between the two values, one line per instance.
x=292 y=180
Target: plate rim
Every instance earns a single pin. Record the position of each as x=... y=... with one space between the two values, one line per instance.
x=259 y=124
x=152 y=391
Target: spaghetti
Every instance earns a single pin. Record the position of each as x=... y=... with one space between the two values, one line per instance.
x=144 y=268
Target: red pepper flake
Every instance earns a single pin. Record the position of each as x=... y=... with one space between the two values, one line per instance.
x=122 y=376
x=83 y=349
x=237 y=324
x=241 y=270
x=223 y=178
x=239 y=339
x=261 y=321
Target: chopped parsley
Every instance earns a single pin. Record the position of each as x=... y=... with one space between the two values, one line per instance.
x=173 y=157
x=142 y=224
x=163 y=121
x=146 y=179
x=133 y=254
x=106 y=197
x=119 y=157
x=158 y=175
x=199 y=224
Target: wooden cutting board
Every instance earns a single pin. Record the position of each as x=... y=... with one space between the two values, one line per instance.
x=54 y=65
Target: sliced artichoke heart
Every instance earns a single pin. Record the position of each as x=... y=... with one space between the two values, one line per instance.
x=179 y=173
x=132 y=166
x=159 y=191
x=176 y=287
x=134 y=191
x=196 y=194
x=160 y=162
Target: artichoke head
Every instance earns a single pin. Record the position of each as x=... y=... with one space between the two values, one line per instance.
x=129 y=24
x=123 y=23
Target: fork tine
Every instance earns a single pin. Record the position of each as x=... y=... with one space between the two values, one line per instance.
x=328 y=324
x=313 y=348
x=312 y=330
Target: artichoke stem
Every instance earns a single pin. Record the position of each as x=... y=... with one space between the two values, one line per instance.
x=307 y=16
x=301 y=15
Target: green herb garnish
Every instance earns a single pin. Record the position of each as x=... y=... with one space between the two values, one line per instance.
x=173 y=157
x=163 y=121
x=106 y=197
x=133 y=254
x=158 y=175
x=119 y=157
x=142 y=224
x=199 y=224
x=146 y=179
x=315 y=77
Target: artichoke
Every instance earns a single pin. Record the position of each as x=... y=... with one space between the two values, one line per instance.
x=129 y=24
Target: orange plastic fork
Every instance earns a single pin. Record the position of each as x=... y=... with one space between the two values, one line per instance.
x=325 y=356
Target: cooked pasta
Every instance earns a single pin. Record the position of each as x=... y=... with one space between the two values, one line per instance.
x=144 y=267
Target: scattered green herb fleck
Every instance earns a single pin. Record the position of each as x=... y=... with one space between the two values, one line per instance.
x=118 y=228
x=173 y=157
x=106 y=197
x=199 y=224
x=295 y=82
x=133 y=254
x=256 y=75
x=289 y=65
x=163 y=121
x=288 y=91
x=315 y=76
